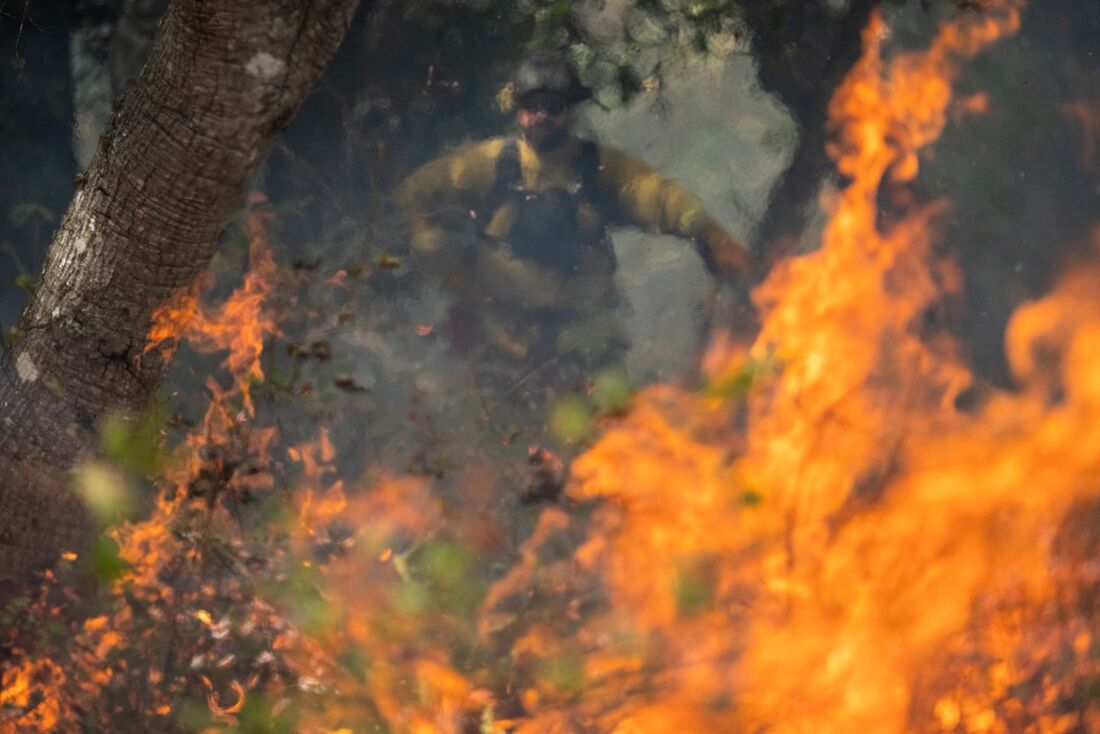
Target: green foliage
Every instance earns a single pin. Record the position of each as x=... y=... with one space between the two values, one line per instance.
x=105 y=490
x=26 y=283
x=414 y=597
x=355 y=661
x=232 y=251
x=560 y=10
x=105 y=562
x=14 y=606
x=750 y=498
x=259 y=716
x=573 y=416
x=571 y=419
x=300 y=593
x=565 y=673
x=448 y=574
x=736 y=385
x=132 y=443
x=695 y=587
x=611 y=390
x=54 y=385
x=194 y=716
x=277 y=384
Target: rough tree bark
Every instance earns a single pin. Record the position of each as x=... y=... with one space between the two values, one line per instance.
x=222 y=79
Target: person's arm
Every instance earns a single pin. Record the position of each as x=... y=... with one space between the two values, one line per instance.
x=660 y=204
x=446 y=188
x=441 y=192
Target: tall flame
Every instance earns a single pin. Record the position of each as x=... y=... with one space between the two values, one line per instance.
x=828 y=578
x=241 y=324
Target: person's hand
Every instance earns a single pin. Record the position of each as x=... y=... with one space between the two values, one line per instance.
x=724 y=255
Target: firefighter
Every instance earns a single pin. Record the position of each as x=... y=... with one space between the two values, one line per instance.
x=516 y=228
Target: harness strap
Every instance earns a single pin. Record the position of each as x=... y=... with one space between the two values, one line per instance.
x=588 y=166
x=509 y=178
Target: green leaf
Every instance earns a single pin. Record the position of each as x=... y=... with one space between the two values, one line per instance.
x=134 y=444
x=413 y=598
x=356 y=661
x=301 y=593
x=54 y=385
x=695 y=585
x=194 y=716
x=106 y=563
x=488 y=720
x=750 y=498
x=735 y=386
x=259 y=716
x=565 y=673
x=611 y=390
x=26 y=283
x=450 y=572
x=571 y=419
x=104 y=490
x=560 y=10
x=444 y=562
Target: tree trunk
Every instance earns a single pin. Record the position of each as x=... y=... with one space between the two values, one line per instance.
x=803 y=55
x=222 y=79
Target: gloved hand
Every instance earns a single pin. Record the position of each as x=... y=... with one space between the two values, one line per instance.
x=723 y=255
x=728 y=307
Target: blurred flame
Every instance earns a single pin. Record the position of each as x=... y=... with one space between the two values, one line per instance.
x=241 y=324
x=226 y=712
x=26 y=693
x=157 y=565
x=820 y=581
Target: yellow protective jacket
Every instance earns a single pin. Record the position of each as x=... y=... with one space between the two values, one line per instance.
x=460 y=183
x=465 y=179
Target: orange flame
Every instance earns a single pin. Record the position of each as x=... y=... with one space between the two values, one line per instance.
x=808 y=585
x=241 y=324
x=29 y=699
x=162 y=562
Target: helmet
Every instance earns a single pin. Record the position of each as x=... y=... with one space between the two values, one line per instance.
x=546 y=71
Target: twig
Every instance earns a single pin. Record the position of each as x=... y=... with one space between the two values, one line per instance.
x=22 y=22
